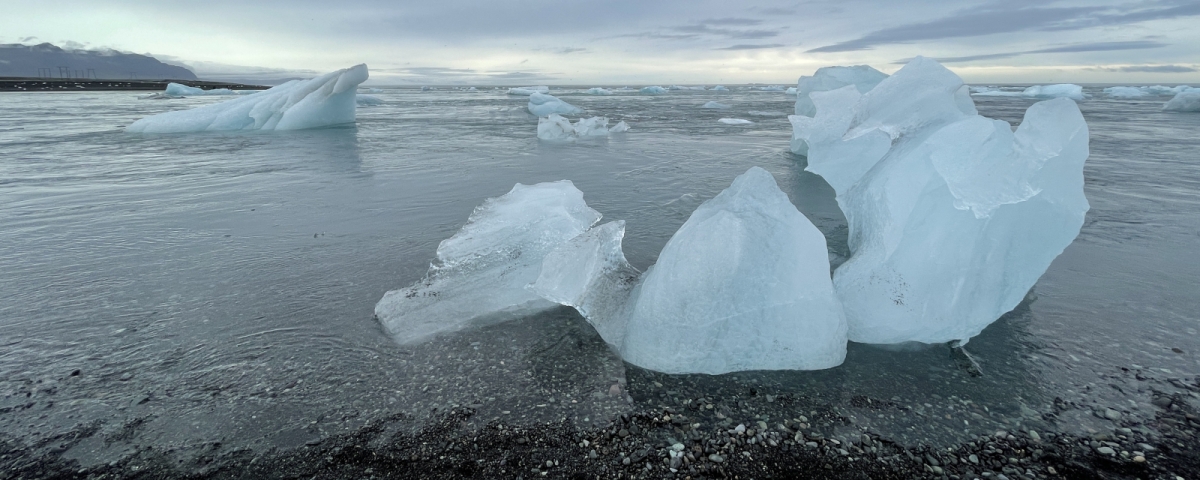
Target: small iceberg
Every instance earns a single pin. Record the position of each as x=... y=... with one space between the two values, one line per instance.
x=953 y=217
x=1061 y=90
x=180 y=90
x=1188 y=101
x=598 y=91
x=541 y=104
x=324 y=101
x=367 y=100
x=735 y=121
x=620 y=127
x=159 y=96
x=1125 y=92
x=370 y=90
x=653 y=90
x=772 y=88
x=791 y=91
x=719 y=88
x=715 y=105
x=529 y=90
x=555 y=128
x=480 y=274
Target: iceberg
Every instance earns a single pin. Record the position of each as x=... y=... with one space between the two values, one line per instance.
x=1125 y=92
x=541 y=104
x=598 y=91
x=953 y=217
x=370 y=90
x=791 y=91
x=863 y=77
x=716 y=105
x=299 y=104
x=179 y=90
x=735 y=121
x=528 y=90
x=1062 y=90
x=1186 y=101
x=555 y=128
x=773 y=88
x=620 y=127
x=653 y=90
x=719 y=88
x=159 y=96
x=743 y=285
x=480 y=274
x=367 y=100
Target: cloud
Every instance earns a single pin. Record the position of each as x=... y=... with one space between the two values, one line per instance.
x=704 y=29
x=751 y=47
x=992 y=20
x=1080 y=47
x=776 y=11
x=742 y=22
x=1150 y=69
x=570 y=50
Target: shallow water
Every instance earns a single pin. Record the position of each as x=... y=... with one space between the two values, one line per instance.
x=182 y=290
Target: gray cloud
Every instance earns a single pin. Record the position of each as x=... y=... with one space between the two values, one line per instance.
x=751 y=47
x=1080 y=47
x=743 y=22
x=1154 y=69
x=570 y=50
x=988 y=21
x=704 y=29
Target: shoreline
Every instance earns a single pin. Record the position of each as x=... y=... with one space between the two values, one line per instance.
x=29 y=84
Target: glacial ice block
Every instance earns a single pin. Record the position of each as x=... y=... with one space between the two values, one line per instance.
x=620 y=127
x=653 y=90
x=367 y=100
x=720 y=88
x=863 y=77
x=1186 y=101
x=715 y=105
x=1061 y=90
x=953 y=217
x=734 y=121
x=181 y=90
x=1125 y=92
x=480 y=274
x=555 y=128
x=542 y=104
x=528 y=90
x=743 y=285
x=598 y=91
x=592 y=127
x=299 y=104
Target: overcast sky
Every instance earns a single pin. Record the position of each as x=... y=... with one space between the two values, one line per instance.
x=637 y=42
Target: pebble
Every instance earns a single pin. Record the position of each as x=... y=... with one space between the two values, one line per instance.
x=1033 y=435
x=1112 y=414
x=1139 y=459
x=973 y=459
x=715 y=458
x=740 y=429
x=1106 y=451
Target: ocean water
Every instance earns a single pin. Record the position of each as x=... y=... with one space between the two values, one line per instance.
x=214 y=292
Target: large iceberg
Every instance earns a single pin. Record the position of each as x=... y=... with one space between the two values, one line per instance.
x=1061 y=90
x=863 y=77
x=528 y=90
x=481 y=272
x=1186 y=101
x=743 y=285
x=953 y=217
x=181 y=90
x=541 y=104
x=299 y=104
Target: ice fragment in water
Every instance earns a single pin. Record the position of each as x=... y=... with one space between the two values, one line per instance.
x=592 y=127
x=953 y=217
x=367 y=100
x=555 y=128
x=735 y=121
x=743 y=285
x=528 y=90
x=719 y=88
x=541 y=104
x=717 y=105
x=598 y=91
x=180 y=90
x=1062 y=90
x=480 y=274
x=1186 y=101
x=620 y=127
x=299 y=104
x=653 y=90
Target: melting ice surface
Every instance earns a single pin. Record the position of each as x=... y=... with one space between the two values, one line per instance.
x=863 y=77
x=1186 y=101
x=556 y=128
x=953 y=217
x=743 y=285
x=542 y=104
x=299 y=104
x=481 y=272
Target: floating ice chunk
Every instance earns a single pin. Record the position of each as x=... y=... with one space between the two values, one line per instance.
x=159 y=96
x=765 y=113
x=1187 y=101
x=367 y=100
x=981 y=89
x=1125 y=92
x=719 y=88
x=1062 y=90
x=716 y=105
x=180 y=90
x=653 y=90
x=863 y=77
x=529 y=90
x=299 y=104
x=480 y=274
x=773 y=88
x=735 y=121
x=370 y=90
x=542 y=104
x=791 y=91
x=620 y=127
x=953 y=217
x=681 y=87
x=592 y=127
x=743 y=285
x=598 y=91
x=555 y=128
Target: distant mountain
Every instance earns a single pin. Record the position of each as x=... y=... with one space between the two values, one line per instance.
x=48 y=60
